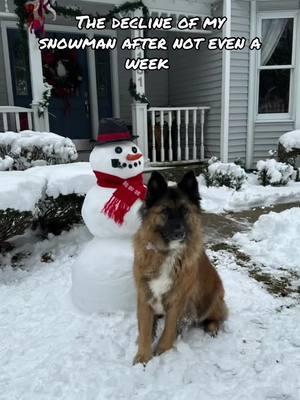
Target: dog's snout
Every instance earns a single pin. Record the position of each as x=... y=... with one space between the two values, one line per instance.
x=176 y=231
x=178 y=234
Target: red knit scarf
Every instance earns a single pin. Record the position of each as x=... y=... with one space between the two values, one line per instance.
x=126 y=194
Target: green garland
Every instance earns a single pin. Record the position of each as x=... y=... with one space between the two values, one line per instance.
x=137 y=96
x=76 y=11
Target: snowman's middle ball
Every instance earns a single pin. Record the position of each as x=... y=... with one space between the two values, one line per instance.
x=121 y=159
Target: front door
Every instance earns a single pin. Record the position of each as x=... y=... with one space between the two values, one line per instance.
x=66 y=70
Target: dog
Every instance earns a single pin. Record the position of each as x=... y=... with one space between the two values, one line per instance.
x=173 y=275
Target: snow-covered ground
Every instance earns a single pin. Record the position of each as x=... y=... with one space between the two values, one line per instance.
x=49 y=350
x=79 y=178
x=252 y=194
x=274 y=240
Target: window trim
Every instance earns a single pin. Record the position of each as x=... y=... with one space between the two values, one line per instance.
x=290 y=115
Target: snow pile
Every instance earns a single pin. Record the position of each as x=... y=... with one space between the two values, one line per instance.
x=29 y=148
x=51 y=351
x=274 y=240
x=272 y=172
x=21 y=190
x=290 y=140
x=65 y=179
x=6 y=163
x=225 y=174
x=223 y=199
x=18 y=192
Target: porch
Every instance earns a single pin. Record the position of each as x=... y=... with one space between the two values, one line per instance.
x=175 y=129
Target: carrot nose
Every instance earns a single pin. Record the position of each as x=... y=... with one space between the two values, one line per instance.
x=133 y=157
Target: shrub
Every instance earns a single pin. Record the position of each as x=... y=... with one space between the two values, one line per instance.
x=272 y=172
x=225 y=174
x=22 y=150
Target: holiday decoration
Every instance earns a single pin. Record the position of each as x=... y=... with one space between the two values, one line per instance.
x=137 y=96
x=44 y=102
x=102 y=275
x=63 y=73
x=35 y=14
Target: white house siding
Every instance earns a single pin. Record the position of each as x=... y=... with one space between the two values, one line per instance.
x=266 y=137
x=273 y=5
x=195 y=79
x=239 y=80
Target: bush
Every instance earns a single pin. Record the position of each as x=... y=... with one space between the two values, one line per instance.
x=22 y=150
x=225 y=174
x=14 y=222
x=51 y=216
x=60 y=213
x=272 y=172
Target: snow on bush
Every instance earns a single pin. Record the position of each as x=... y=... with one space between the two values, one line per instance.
x=290 y=140
x=274 y=239
x=29 y=148
x=22 y=190
x=272 y=172
x=6 y=163
x=65 y=179
x=225 y=174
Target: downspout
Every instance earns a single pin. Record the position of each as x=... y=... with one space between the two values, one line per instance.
x=251 y=90
x=225 y=101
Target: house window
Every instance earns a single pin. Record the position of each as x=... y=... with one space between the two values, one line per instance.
x=276 y=67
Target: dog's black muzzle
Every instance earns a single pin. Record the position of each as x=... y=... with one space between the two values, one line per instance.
x=174 y=231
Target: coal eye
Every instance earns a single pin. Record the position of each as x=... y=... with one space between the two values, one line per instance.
x=118 y=149
x=134 y=149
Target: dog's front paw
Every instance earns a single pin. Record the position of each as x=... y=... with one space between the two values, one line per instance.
x=162 y=348
x=141 y=358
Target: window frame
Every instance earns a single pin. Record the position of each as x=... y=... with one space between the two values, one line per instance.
x=290 y=115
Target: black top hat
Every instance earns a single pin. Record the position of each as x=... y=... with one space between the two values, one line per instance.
x=113 y=130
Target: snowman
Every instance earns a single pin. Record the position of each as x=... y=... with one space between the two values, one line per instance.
x=102 y=275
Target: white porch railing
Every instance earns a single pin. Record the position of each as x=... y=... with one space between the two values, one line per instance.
x=175 y=134
x=15 y=118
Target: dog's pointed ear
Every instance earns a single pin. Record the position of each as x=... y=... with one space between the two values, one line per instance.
x=157 y=187
x=189 y=186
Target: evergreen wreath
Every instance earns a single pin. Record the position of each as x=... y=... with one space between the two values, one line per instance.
x=76 y=11
x=62 y=72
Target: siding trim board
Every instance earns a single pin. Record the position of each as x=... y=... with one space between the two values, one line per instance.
x=226 y=63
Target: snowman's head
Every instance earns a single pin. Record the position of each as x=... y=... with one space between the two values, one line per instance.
x=123 y=159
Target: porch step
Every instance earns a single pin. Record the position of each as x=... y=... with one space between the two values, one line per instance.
x=175 y=171
x=83 y=155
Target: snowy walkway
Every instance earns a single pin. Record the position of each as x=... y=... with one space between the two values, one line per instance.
x=50 y=351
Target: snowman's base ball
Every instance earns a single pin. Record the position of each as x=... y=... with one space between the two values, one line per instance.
x=102 y=277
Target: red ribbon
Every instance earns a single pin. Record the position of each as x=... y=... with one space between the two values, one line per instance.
x=127 y=192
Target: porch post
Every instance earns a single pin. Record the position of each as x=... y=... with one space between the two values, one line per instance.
x=93 y=95
x=37 y=82
x=139 y=110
